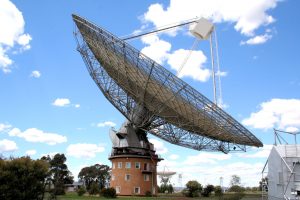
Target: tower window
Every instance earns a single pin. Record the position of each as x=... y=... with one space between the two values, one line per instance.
x=136 y=190
x=118 y=189
x=114 y=165
x=128 y=165
x=137 y=165
x=127 y=177
x=146 y=177
x=119 y=165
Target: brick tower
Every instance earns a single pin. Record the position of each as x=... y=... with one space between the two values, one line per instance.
x=134 y=162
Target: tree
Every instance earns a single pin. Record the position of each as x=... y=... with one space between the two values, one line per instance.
x=263 y=183
x=95 y=174
x=236 y=188
x=59 y=175
x=170 y=189
x=94 y=189
x=235 y=180
x=102 y=175
x=165 y=188
x=208 y=190
x=109 y=192
x=22 y=178
x=193 y=189
x=80 y=191
x=218 y=191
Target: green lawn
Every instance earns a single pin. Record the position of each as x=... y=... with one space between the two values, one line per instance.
x=74 y=196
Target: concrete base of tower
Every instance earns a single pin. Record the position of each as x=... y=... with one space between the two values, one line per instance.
x=134 y=174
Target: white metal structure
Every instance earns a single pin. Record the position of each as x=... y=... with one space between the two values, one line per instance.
x=284 y=172
x=165 y=175
x=221 y=183
x=202 y=29
x=205 y=30
x=282 y=169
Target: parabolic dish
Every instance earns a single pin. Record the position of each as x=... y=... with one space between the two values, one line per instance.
x=167 y=174
x=153 y=98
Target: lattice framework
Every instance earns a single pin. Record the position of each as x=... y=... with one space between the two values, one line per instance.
x=165 y=105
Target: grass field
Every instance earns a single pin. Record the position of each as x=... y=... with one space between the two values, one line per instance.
x=74 y=196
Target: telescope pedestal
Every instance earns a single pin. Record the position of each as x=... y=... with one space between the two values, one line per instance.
x=134 y=173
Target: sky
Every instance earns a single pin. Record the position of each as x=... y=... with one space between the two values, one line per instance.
x=49 y=104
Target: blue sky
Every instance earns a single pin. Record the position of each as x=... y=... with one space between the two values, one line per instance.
x=50 y=104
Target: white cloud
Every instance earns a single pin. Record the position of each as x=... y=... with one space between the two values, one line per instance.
x=159 y=146
x=263 y=152
x=51 y=154
x=204 y=157
x=4 y=127
x=107 y=123
x=30 y=152
x=210 y=173
x=24 y=40
x=13 y=33
x=221 y=104
x=35 y=74
x=36 y=135
x=84 y=150
x=292 y=129
x=276 y=113
x=259 y=39
x=7 y=146
x=194 y=67
x=174 y=157
x=247 y=15
x=220 y=73
x=157 y=49
x=61 y=102
x=64 y=102
x=5 y=61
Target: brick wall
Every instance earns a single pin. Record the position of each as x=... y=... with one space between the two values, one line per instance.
x=133 y=180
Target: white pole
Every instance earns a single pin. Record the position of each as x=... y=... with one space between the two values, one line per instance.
x=213 y=68
x=218 y=65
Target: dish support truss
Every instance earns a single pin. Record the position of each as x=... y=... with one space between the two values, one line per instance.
x=146 y=94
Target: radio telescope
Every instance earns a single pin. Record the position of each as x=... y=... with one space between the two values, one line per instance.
x=154 y=101
x=165 y=175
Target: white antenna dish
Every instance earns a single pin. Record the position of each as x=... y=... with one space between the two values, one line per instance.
x=165 y=175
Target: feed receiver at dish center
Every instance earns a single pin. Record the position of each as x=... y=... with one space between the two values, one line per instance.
x=202 y=29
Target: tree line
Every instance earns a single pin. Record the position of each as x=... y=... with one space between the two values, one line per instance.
x=24 y=178
x=194 y=189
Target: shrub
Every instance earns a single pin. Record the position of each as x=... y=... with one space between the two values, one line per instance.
x=185 y=192
x=59 y=188
x=218 y=191
x=109 y=192
x=148 y=194
x=164 y=188
x=193 y=188
x=238 y=192
x=80 y=191
x=236 y=188
x=170 y=189
x=94 y=189
x=207 y=190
